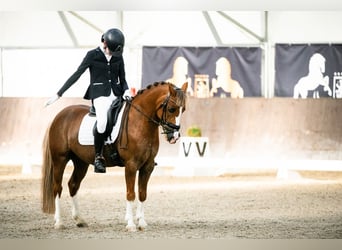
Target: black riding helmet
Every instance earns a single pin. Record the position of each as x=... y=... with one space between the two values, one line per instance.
x=115 y=41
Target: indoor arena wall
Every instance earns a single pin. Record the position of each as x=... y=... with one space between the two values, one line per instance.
x=278 y=128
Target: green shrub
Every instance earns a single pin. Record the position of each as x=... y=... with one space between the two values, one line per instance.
x=194 y=131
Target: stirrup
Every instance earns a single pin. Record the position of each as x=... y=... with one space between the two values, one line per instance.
x=99 y=164
x=114 y=155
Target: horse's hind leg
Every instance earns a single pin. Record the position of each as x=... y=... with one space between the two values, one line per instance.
x=79 y=172
x=58 y=170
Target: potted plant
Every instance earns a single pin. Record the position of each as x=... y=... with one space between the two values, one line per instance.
x=194 y=131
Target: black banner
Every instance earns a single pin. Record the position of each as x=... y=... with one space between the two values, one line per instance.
x=210 y=71
x=308 y=71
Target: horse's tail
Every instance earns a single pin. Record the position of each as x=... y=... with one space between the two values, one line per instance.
x=48 y=201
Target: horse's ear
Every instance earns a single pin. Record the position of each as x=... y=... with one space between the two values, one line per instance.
x=172 y=90
x=185 y=86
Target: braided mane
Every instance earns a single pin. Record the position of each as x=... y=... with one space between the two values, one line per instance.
x=155 y=84
x=181 y=97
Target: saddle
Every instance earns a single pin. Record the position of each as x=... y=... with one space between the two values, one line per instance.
x=88 y=124
x=112 y=116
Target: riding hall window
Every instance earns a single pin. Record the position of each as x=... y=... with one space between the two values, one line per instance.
x=308 y=70
x=210 y=71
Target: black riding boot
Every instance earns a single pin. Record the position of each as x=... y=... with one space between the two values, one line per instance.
x=99 y=163
x=92 y=111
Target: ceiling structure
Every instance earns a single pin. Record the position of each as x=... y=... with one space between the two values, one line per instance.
x=67 y=34
x=58 y=29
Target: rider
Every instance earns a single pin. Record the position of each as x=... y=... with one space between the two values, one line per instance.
x=107 y=82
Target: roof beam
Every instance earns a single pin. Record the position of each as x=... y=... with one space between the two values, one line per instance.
x=87 y=22
x=68 y=28
x=242 y=27
x=212 y=28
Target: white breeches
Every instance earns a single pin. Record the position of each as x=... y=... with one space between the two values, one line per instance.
x=102 y=105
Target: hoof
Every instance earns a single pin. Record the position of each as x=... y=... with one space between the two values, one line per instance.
x=142 y=225
x=131 y=228
x=82 y=224
x=59 y=226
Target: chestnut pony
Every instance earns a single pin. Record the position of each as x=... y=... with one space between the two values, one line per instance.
x=160 y=104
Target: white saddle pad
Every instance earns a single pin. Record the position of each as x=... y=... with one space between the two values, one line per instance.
x=85 y=134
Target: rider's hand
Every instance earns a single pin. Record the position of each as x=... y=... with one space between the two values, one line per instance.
x=52 y=100
x=127 y=94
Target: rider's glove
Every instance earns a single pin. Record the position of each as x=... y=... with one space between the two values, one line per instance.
x=52 y=100
x=127 y=94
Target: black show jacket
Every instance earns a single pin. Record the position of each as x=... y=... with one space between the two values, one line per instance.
x=104 y=75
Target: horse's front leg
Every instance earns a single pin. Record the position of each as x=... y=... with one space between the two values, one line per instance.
x=131 y=227
x=141 y=216
x=130 y=197
x=144 y=176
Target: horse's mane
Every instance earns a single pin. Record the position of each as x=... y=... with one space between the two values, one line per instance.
x=155 y=84
x=181 y=96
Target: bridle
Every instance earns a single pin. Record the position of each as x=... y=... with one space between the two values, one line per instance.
x=167 y=127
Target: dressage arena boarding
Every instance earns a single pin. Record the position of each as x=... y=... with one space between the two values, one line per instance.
x=271 y=169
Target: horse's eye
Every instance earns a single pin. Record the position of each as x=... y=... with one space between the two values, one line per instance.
x=172 y=110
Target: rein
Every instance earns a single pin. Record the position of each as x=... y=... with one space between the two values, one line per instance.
x=129 y=101
x=162 y=123
x=167 y=126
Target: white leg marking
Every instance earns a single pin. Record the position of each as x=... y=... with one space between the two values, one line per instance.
x=58 y=220
x=140 y=216
x=76 y=213
x=129 y=217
